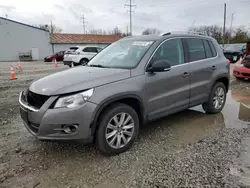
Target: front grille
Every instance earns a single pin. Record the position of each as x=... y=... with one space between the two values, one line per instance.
x=36 y=100
x=245 y=74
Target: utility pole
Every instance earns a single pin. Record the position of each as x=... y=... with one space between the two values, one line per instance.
x=231 y=25
x=83 y=21
x=130 y=13
x=51 y=27
x=224 y=26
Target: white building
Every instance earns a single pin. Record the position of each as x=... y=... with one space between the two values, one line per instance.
x=17 y=39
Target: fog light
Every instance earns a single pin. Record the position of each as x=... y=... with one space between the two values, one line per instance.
x=69 y=129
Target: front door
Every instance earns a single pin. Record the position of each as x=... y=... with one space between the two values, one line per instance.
x=168 y=92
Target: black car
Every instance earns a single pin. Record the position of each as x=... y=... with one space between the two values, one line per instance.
x=233 y=52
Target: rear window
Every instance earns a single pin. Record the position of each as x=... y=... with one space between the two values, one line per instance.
x=207 y=49
x=196 y=49
x=71 y=49
x=214 y=53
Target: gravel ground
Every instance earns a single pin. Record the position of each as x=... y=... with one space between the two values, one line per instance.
x=188 y=149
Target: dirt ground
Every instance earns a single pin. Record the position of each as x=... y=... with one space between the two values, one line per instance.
x=188 y=149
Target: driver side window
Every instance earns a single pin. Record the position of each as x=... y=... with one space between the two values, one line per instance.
x=172 y=51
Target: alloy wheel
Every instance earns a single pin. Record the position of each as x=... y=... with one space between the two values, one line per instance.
x=219 y=98
x=120 y=130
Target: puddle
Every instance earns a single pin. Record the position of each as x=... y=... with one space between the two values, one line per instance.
x=236 y=112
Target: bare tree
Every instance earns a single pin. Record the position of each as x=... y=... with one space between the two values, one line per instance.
x=51 y=29
x=238 y=35
x=150 y=31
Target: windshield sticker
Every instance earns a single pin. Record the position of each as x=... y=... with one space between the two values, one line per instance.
x=142 y=43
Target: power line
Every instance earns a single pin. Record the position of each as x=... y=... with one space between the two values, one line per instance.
x=130 y=5
x=84 y=24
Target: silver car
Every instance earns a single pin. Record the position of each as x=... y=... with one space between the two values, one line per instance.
x=132 y=81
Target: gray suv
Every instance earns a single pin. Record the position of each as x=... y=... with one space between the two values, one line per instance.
x=132 y=81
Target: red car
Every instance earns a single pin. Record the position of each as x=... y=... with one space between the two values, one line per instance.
x=241 y=70
x=58 y=56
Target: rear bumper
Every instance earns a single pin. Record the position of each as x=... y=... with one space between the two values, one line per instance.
x=48 y=124
x=241 y=72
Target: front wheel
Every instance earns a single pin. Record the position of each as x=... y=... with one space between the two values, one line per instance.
x=118 y=129
x=216 y=100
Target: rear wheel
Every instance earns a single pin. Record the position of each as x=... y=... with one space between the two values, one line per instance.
x=216 y=100
x=118 y=128
x=84 y=62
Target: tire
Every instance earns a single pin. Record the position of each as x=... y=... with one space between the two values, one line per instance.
x=209 y=106
x=84 y=61
x=104 y=143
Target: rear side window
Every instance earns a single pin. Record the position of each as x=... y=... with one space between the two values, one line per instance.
x=196 y=49
x=207 y=49
x=214 y=53
x=90 y=49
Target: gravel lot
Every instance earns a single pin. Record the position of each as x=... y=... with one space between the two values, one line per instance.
x=188 y=149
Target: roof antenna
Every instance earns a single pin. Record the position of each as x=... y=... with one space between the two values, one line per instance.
x=6 y=15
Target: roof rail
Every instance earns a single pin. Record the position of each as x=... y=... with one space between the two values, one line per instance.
x=182 y=32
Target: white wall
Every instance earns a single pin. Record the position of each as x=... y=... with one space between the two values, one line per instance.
x=63 y=47
x=18 y=38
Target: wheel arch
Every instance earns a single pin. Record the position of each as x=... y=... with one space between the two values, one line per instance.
x=224 y=80
x=130 y=99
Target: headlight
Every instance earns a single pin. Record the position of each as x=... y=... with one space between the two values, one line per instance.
x=75 y=100
x=238 y=64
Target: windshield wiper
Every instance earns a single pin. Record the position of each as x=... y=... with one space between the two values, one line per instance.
x=98 y=65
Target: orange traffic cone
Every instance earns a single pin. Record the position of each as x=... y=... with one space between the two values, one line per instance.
x=12 y=73
x=56 y=65
x=19 y=66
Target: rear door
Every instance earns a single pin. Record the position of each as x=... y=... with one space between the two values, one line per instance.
x=89 y=52
x=168 y=92
x=202 y=64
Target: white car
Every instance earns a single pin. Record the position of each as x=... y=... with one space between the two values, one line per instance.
x=80 y=55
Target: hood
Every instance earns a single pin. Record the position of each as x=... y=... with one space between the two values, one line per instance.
x=77 y=79
x=49 y=56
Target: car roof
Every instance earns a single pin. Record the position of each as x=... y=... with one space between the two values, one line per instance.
x=158 y=37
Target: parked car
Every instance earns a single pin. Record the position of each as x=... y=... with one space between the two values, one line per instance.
x=108 y=100
x=233 y=52
x=242 y=69
x=58 y=56
x=80 y=56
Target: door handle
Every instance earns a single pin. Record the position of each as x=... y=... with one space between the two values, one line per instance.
x=185 y=74
x=213 y=67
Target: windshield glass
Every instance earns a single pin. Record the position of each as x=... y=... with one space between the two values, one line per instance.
x=122 y=54
x=234 y=47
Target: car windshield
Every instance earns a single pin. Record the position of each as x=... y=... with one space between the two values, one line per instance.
x=122 y=54
x=234 y=47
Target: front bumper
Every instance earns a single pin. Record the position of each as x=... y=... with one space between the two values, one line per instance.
x=241 y=72
x=47 y=124
x=47 y=59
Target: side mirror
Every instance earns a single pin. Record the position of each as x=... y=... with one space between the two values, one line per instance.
x=159 y=66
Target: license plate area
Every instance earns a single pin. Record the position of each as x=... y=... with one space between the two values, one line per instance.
x=24 y=114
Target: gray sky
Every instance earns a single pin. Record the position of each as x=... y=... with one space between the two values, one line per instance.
x=165 y=15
